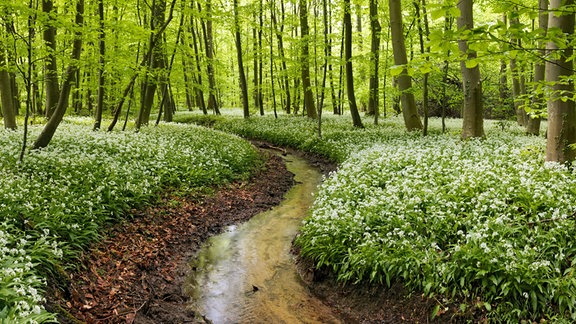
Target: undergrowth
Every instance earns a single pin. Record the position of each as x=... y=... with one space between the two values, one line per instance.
x=485 y=223
x=54 y=204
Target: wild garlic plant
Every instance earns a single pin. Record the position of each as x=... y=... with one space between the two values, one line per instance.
x=55 y=203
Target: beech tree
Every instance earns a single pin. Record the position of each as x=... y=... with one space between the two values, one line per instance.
x=69 y=77
x=473 y=119
x=408 y=101
x=356 y=121
x=305 y=63
x=533 y=125
x=561 y=115
x=51 y=75
x=375 y=30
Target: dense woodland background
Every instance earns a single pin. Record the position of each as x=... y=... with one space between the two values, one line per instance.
x=150 y=58
x=488 y=221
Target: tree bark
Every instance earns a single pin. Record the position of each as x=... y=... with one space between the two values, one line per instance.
x=156 y=65
x=517 y=83
x=306 y=84
x=280 y=38
x=50 y=66
x=198 y=73
x=375 y=30
x=242 y=75
x=409 y=109
x=423 y=50
x=473 y=121
x=69 y=77
x=561 y=114
x=356 y=120
x=101 y=63
x=533 y=125
x=209 y=47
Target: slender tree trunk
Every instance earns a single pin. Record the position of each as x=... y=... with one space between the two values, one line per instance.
x=473 y=122
x=209 y=46
x=561 y=107
x=341 y=75
x=409 y=109
x=272 y=29
x=280 y=38
x=198 y=73
x=375 y=29
x=324 y=64
x=101 y=61
x=69 y=77
x=533 y=126
x=243 y=83
x=448 y=21
x=424 y=51
x=255 y=69
x=503 y=91
x=157 y=64
x=330 y=68
x=30 y=83
x=356 y=120
x=260 y=96
x=51 y=67
x=147 y=57
x=516 y=80
x=305 y=58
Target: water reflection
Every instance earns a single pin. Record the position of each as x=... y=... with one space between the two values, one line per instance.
x=247 y=274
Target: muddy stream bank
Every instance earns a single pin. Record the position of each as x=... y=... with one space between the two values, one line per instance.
x=248 y=275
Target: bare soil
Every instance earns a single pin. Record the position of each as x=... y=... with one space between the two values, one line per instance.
x=136 y=274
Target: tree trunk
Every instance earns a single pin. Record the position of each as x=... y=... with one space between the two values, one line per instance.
x=209 y=46
x=306 y=84
x=473 y=122
x=198 y=73
x=51 y=67
x=375 y=30
x=255 y=54
x=561 y=114
x=101 y=61
x=8 y=110
x=147 y=57
x=356 y=120
x=260 y=96
x=533 y=126
x=517 y=72
x=69 y=77
x=242 y=75
x=279 y=37
x=423 y=51
x=409 y=109
x=157 y=64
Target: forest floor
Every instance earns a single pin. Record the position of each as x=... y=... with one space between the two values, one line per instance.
x=136 y=274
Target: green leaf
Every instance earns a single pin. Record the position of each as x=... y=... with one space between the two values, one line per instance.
x=534 y=300
x=454 y=12
x=487 y=306
x=435 y=311
x=396 y=70
x=471 y=63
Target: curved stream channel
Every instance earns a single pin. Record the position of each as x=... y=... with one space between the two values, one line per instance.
x=247 y=274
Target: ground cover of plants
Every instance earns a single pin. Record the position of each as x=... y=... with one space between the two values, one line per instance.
x=56 y=202
x=481 y=226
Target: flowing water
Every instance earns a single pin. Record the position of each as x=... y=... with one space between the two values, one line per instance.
x=247 y=274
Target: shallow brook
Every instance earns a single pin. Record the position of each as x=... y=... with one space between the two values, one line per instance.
x=247 y=274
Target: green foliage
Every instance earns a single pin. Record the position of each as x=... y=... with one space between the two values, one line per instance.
x=485 y=223
x=55 y=203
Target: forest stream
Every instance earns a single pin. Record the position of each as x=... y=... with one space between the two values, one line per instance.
x=247 y=274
